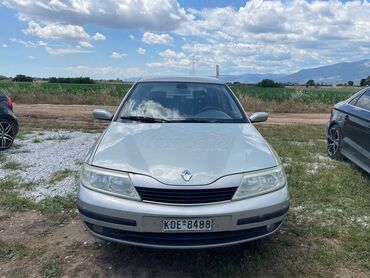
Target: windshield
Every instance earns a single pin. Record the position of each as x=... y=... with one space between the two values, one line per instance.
x=181 y=102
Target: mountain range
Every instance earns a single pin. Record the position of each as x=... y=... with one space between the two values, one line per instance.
x=332 y=74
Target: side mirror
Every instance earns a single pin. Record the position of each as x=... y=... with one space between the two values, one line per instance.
x=259 y=117
x=102 y=114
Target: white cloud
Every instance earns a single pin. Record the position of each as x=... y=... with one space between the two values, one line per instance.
x=107 y=72
x=4 y=45
x=158 y=15
x=28 y=43
x=64 y=51
x=57 y=31
x=99 y=37
x=168 y=53
x=171 y=64
x=31 y=57
x=260 y=36
x=86 y=44
x=141 y=51
x=152 y=38
x=117 y=56
x=279 y=36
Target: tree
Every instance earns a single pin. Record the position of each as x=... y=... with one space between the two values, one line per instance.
x=310 y=82
x=22 y=78
x=268 y=83
x=78 y=80
x=350 y=83
x=365 y=81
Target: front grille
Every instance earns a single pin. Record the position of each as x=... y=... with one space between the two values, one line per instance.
x=186 y=196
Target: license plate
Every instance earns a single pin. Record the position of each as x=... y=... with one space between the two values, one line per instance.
x=194 y=224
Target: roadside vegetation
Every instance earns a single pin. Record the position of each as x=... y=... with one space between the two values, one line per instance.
x=326 y=234
x=267 y=97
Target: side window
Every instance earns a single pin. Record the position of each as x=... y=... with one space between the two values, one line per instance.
x=364 y=101
x=353 y=101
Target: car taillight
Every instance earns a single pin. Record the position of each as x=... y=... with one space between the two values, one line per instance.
x=10 y=103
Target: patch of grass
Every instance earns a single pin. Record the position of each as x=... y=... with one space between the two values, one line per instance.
x=292 y=132
x=10 y=197
x=36 y=140
x=16 y=146
x=16 y=202
x=14 y=181
x=11 y=165
x=4 y=217
x=20 y=151
x=327 y=255
x=63 y=137
x=16 y=250
x=58 y=205
x=59 y=138
x=2 y=158
x=52 y=268
x=22 y=135
x=60 y=175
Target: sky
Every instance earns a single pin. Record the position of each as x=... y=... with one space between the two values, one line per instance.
x=130 y=38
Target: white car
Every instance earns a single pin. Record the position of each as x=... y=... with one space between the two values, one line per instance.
x=182 y=166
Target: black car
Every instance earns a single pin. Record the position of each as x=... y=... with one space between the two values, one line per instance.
x=8 y=122
x=348 y=132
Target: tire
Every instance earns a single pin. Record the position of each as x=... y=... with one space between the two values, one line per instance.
x=334 y=142
x=7 y=134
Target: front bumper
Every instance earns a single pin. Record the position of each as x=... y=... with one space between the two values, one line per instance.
x=140 y=223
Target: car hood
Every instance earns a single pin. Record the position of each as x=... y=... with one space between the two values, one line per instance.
x=164 y=150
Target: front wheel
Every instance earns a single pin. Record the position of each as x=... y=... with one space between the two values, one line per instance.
x=7 y=134
x=334 y=142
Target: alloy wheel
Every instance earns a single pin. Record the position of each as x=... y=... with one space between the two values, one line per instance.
x=333 y=141
x=6 y=134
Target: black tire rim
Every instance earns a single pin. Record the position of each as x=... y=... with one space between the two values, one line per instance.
x=6 y=135
x=333 y=141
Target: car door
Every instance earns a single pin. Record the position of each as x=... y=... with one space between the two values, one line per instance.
x=356 y=130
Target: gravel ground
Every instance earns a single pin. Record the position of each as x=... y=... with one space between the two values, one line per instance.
x=40 y=156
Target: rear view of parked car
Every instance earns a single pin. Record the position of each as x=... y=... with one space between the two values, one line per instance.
x=8 y=122
x=349 y=130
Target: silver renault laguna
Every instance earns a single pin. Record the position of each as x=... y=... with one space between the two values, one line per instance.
x=182 y=166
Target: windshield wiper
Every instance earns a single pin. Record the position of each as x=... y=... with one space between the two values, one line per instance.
x=198 y=121
x=144 y=119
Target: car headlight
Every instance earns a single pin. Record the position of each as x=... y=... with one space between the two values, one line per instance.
x=260 y=182
x=108 y=181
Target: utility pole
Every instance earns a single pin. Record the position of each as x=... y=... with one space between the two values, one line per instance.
x=217 y=71
x=193 y=64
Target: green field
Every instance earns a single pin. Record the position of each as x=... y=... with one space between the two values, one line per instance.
x=253 y=98
x=327 y=95
x=111 y=89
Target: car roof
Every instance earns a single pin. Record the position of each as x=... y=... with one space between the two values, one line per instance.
x=181 y=79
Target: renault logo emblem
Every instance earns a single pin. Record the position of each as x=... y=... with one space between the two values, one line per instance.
x=186 y=175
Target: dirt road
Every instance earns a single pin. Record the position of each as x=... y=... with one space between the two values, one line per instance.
x=79 y=116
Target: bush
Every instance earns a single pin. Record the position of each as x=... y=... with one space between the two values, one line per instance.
x=74 y=80
x=310 y=83
x=365 y=81
x=268 y=83
x=22 y=78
